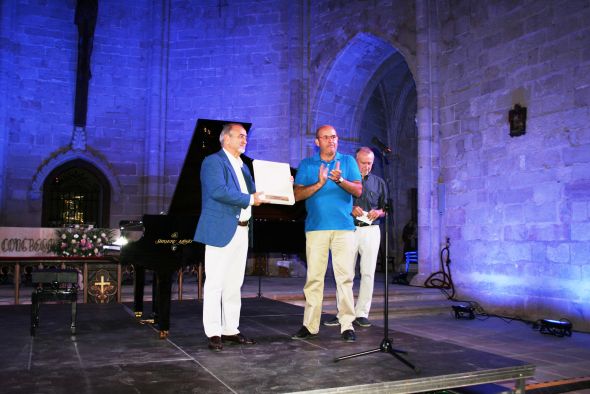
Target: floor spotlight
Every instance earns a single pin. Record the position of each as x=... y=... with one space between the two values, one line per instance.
x=463 y=312
x=559 y=328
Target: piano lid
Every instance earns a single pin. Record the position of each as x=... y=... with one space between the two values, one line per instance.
x=187 y=195
x=269 y=220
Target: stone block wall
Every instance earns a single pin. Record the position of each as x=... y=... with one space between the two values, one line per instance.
x=517 y=208
x=233 y=61
x=37 y=71
x=157 y=68
x=39 y=54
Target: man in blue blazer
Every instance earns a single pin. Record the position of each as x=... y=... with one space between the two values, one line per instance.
x=228 y=193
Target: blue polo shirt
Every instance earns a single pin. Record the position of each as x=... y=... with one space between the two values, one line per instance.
x=330 y=207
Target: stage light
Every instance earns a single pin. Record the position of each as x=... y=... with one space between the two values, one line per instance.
x=463 y=312
x=559 y=328
x=121 y=241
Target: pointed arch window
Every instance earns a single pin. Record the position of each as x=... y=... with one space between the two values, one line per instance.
x=76 y=193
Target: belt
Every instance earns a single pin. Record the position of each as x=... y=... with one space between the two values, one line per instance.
x=244 y=223
x=362 y=224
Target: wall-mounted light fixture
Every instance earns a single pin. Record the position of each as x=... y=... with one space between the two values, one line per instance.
x=517 y=120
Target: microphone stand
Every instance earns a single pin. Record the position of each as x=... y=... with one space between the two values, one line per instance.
x=386 y=345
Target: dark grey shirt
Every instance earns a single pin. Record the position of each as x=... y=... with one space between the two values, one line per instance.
x=374 y=195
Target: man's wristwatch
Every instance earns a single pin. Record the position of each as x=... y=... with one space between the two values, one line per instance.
x=340 y=180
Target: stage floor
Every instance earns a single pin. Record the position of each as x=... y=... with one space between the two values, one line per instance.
x=113 y=353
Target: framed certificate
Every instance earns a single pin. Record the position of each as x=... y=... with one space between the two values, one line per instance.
x=274 y=180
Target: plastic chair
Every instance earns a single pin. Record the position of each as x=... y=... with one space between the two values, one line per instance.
x=411 y=258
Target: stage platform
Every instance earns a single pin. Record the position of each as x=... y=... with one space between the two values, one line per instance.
x=113 y=353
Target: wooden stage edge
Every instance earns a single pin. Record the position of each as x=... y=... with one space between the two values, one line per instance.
x=518 y=374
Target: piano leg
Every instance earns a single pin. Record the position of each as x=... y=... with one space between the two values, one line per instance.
x=138 y=285
x=155 y=296
x=164 y=298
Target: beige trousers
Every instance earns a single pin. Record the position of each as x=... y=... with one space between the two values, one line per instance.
x=318 y=245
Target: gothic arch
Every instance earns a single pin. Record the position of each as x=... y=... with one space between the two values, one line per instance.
x=88 y=157
x=369 y=91
x=76 y=193
x=350 y=80
x=352 y=74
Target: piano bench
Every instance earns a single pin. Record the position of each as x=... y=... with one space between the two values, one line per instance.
x=56 y=285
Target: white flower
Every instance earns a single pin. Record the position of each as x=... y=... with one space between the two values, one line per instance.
x=63 y=236
x=76 y=236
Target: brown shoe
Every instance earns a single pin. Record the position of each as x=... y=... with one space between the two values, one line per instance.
x=215 y=344
x=238 y=338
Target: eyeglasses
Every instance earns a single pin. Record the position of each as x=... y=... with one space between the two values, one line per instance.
x=328 y=137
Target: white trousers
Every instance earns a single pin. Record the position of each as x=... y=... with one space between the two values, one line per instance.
x=222 y=298
x=368 y=239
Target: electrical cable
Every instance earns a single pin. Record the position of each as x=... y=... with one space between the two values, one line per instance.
x=442 y=279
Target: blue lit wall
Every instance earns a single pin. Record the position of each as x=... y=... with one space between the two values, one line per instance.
x=517 y=209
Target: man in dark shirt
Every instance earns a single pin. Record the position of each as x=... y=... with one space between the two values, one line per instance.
x=367 y=210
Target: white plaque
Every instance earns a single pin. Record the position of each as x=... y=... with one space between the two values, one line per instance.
x=274 y=180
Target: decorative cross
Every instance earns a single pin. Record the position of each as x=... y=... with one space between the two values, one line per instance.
x=102 y=284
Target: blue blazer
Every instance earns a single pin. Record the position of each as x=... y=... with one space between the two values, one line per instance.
x=222 y=200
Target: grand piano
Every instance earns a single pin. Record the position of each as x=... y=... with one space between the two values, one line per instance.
x=166 y=245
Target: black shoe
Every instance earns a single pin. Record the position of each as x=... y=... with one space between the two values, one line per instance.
x=361 y=322
x=303 y=333
x=238 y=338
x=331 y=322
x=215 y=344
x=349 y=336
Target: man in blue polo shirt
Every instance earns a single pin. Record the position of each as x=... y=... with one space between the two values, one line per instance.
x=328 y=181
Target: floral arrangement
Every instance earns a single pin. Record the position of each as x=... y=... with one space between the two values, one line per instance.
x=85 y=241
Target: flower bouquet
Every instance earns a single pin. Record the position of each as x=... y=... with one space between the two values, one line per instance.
x=85 y=241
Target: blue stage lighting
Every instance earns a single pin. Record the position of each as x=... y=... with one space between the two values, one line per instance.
x=463 y=312
x=559 y=328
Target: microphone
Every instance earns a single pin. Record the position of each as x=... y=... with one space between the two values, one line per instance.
x=381 y=145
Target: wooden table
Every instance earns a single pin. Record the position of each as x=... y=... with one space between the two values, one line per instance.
x=97 y=288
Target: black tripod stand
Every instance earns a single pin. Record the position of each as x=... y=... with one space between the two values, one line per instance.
x=386 y=345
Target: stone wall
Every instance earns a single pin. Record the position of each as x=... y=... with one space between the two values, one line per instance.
x=159 y=66
x=517 y=208
x=39 y=55
x=233 y=61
